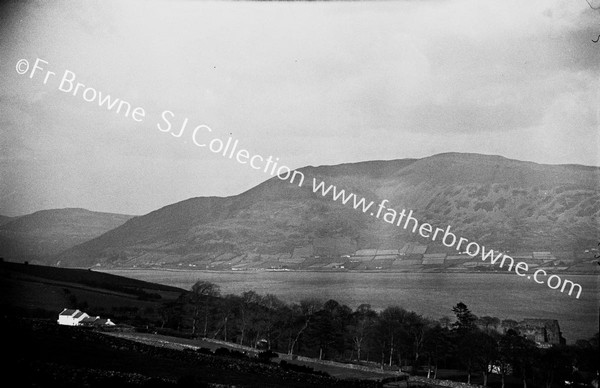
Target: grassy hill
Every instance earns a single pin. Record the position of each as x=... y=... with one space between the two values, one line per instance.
x=502 y=203
x=43 y=234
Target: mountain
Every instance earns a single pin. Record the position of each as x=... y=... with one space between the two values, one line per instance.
x=499 y=202
x=43 y=234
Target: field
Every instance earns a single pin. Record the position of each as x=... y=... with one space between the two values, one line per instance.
x=93 y=359
x=183 y=343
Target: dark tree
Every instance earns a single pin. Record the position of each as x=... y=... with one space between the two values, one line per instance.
x=488 y=323
x=486 y=352
x=519 y=352
x=553 y=365
x=465 y=320
x=437 y=347
x=390 y=332
x=171 y=315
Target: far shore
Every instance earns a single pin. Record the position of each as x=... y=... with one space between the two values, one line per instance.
x=107 y=269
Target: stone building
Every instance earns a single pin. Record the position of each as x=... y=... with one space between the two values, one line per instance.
x=542 y=331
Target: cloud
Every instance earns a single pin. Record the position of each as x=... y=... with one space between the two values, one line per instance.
x=311 y=83
x=470 y=118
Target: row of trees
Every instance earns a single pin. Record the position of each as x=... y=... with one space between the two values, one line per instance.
x=393 y=337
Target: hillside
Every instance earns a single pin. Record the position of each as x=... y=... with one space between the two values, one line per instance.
x=80 y=357
x=502 y=203
x=5 y=219
x=45 y=291
x=38 y=236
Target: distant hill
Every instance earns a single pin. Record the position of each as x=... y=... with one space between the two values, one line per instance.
x=41 y=235
x=502 y=203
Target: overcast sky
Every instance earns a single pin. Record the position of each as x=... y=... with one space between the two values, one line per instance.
x=309 y=83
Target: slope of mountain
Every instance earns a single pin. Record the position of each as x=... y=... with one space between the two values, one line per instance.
x=5 y=219
x=502 y=203
x=43 y=234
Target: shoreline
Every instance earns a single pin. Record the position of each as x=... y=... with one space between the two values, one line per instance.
x=106 y=269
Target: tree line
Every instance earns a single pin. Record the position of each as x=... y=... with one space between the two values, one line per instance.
x=392 y=338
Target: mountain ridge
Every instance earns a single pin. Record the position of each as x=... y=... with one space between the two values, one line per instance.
x=42 y=234
x=504 y=203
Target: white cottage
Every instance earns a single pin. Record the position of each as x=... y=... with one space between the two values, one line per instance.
x=70 y=317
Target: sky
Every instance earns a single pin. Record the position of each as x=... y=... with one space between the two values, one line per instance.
x=312 y=83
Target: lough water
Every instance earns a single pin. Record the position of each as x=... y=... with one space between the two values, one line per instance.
x=430 y=294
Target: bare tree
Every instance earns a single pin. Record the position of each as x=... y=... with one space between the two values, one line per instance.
x=364 y=321
x=303 y=313
x=202 y=292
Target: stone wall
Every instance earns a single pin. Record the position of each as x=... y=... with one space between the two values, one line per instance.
x=336 y=364
x=442 y=383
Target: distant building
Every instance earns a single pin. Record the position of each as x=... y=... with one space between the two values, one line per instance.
x=545 y=332
x=96 y=321
x=70 y=317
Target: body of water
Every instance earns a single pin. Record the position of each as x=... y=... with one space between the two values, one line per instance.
x=505 y=296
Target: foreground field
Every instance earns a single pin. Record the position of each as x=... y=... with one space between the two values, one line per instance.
x=48 y=355
x=340 y=372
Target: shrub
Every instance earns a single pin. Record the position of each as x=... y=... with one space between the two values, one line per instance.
x=267 y=355
x=225 y=352
x=222 y=352
x=301 y=368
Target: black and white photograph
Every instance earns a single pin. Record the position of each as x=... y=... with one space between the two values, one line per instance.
x=348 y=194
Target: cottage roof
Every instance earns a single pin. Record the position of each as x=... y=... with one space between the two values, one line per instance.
x=68 y=312
x=78 y=314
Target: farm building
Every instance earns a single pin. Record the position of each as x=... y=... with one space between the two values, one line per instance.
x=71 y=317
x=96 y=321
